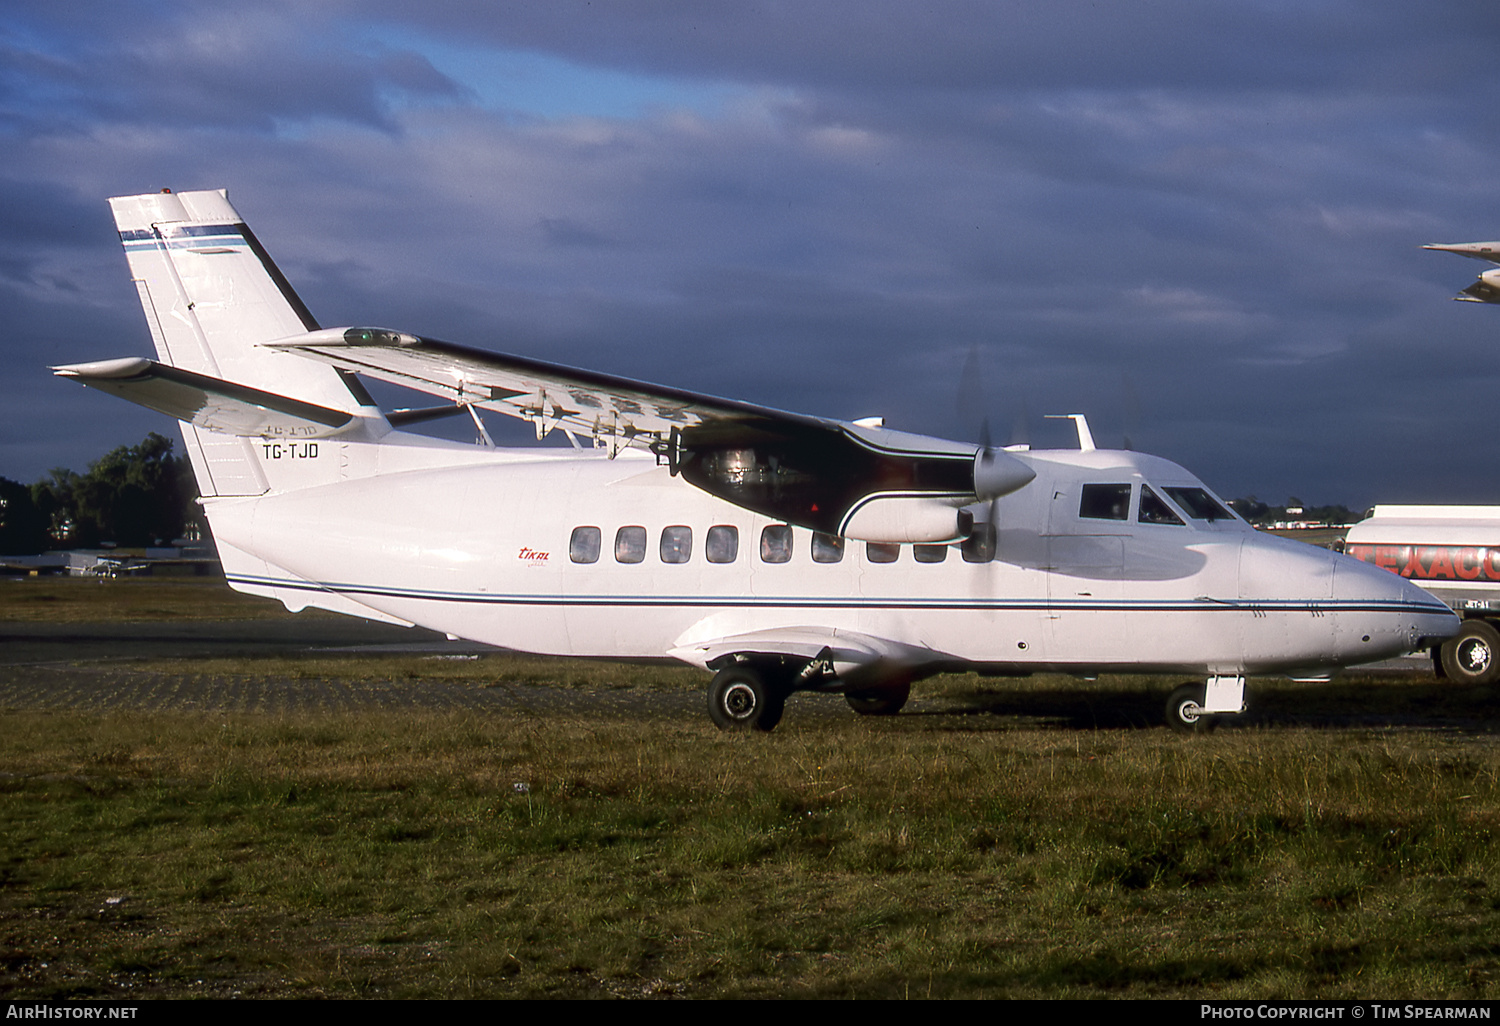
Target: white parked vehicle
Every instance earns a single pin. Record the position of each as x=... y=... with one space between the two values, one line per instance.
x=1453 y=552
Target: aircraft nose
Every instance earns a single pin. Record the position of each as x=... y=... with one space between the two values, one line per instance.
x=1384 y=614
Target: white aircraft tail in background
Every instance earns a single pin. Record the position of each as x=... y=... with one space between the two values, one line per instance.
x=783 y=552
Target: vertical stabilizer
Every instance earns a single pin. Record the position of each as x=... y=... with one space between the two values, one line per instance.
x=212 y=295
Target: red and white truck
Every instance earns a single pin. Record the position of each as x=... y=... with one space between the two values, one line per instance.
x=1453 y=552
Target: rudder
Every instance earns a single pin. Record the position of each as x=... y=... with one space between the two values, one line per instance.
x=211 y=295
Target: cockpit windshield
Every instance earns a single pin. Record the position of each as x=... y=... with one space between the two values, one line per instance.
x=1199 y=504
x=1154 y=510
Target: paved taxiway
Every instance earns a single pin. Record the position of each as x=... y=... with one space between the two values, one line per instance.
x=109 y=666
x=119 y=666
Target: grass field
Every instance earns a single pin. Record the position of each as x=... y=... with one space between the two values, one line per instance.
x=984 y=850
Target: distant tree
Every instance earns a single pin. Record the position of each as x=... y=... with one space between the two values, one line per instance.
x=1251 y=508
x=134 y=496
x=1257 y=512
x=23 y=528
x=53 y=498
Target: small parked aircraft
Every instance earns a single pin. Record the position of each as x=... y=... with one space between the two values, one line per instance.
x=782 y=552
x=1487 y=288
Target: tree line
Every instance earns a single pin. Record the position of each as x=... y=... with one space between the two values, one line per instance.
x=135 y=496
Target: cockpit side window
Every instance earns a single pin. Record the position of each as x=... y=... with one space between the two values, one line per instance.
x=1198 y=504
x=1155 y=511
x=1105 y=502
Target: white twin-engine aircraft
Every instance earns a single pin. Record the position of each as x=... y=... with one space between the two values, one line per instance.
x=783 y=552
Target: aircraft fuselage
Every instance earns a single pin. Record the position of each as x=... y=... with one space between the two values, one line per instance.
x=552 y=552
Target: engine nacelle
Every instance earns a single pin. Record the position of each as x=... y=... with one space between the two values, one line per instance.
x=903 y=519
x=847 y=479
x=1485 y=290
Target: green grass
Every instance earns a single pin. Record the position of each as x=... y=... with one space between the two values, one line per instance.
x=1036 y=838
x=444 y=855
x=143 y=599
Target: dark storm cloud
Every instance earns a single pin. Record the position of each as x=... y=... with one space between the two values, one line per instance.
x=1196 y=222
x=230 y=67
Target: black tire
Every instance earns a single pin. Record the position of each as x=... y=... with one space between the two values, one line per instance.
x=1473 y=655
x=885 y=700
x=1185 y=712
x=740 y=698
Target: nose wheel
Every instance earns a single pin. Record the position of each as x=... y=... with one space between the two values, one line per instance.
x=1185 y=712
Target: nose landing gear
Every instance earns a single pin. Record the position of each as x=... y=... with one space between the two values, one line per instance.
x=1196 y=708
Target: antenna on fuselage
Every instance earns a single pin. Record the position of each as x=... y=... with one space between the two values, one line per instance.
x=1081 y=421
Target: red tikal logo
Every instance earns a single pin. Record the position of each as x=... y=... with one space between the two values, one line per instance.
x=531 y=555
x=1433 y=562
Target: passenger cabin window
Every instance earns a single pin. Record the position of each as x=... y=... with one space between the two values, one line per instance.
x=1199 y=504
x=776 y=544
x=930 y=553
x=1105 y=502
x=827 y=548
x=979 y=547
x=630 y=545
x=583 y=547
x=722 y=544
x=881 y=552
x=676 y=544
x=1155 y=511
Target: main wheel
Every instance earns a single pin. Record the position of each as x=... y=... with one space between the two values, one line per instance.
x=886 y=700
x=1473 y=655
x=1185 y=711
x=740 y=698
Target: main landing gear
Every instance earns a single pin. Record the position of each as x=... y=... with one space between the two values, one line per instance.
x=744 y=697
x=752 y=695
x=885 y=700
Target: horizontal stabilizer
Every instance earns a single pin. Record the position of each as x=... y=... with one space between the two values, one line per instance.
x=208 y=402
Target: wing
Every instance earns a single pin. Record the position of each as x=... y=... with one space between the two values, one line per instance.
x=855 y=480
x=610 y=410
x=1478 y=250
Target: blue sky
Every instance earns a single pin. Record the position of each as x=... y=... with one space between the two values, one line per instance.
x=1199 y=223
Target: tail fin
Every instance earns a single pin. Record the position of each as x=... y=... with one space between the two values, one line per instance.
x=212 y=295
